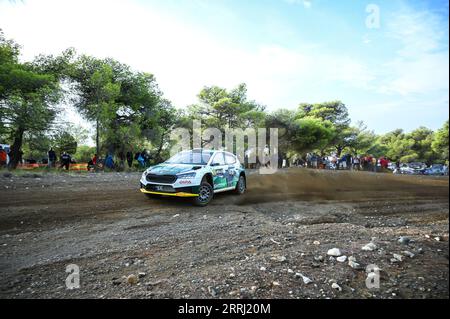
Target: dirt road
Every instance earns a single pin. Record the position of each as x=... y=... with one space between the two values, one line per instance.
x=265 y=244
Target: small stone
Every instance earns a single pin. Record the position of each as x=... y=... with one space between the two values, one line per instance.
x=398 y=257
x=369 y=247
x=142 y=274
x=394 y=261
x=279 y=258
x=316 y=242
x=354 y=264
x=132 y=279
x=212 y=291
x=263 y=269
x=305 y=279
x=335 y=252
x=409 y=254
x=290 y=271
x=234 y=293
x=276 y=284
x=319 y=258
x=437 y=238
x=232 y=275
x=341 y=259
x=404 y=240
x=336 y=286
x=116 y=282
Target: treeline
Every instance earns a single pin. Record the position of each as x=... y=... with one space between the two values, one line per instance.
x=129 y=112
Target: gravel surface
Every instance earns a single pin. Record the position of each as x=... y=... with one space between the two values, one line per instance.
x=296 y=234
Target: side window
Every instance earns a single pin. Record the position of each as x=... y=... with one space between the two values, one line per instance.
x=230 y=159
x=218 y=160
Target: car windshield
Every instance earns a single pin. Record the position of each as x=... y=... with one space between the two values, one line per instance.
x=190 y=157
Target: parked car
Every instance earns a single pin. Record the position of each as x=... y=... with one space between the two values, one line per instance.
x=392 y=166
x=414 y=168
x=197 y=173
x=436 y=169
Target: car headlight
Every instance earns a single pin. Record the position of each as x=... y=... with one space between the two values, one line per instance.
x=187 y=176
x=144 y=174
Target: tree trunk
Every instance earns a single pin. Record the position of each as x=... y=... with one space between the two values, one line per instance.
x=161 y=144
x=97 y=143
x=15 y=155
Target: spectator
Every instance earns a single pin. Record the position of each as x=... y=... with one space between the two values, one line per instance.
x=384 y=163
x=343 y=162
x=3 y=157
x=109 y=161
x=356 y=162
x=308 y=160
x=314 y=161
x=130 y=159
x=348 y=161
x=51 y=158
x=140 y=159
x=92 y=162
x=374 y=164
x=369 y=162
x=122 y=159
x=65 y=161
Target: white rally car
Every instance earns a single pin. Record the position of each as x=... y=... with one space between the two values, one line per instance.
x=197 y=173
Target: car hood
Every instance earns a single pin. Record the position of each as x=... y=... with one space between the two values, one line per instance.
x=172 y=169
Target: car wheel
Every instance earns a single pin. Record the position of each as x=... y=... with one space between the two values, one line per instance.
x=205 y=194
x=241 y=185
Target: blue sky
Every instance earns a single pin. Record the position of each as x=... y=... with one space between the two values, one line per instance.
x=287 y=51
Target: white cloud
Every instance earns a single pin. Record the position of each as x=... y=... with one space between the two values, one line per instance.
x=421 y=64
x=182 y=57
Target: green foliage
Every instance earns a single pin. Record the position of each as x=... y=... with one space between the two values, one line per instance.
x=362 y=140
x=300 y=134
x=334 y=115
x=130 y=113
x=63 y=141
x=440 y=143
x=122 y=103
x=36 y=145
x=28 y=97
x=84 y=154
x=312 y=133
x=222 y=109
x=408 y=147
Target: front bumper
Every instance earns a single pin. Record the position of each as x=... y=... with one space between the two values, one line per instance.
x=179 y=188
x=177 y=194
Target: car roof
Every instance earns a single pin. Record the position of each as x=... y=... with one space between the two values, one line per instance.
x=212 y=151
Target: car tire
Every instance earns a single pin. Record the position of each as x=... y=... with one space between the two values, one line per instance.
x=205 y=194
x=241 y=185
